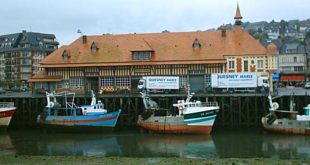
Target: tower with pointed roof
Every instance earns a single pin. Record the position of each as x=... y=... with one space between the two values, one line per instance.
x=238 y=16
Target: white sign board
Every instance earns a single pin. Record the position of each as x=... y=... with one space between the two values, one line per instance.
x=234 y=80
x=162 y=82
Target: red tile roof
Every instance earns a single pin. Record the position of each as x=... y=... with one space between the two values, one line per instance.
x=41 y=76
x=168 y=48
x=272 y=49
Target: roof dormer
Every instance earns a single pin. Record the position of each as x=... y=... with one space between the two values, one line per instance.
x=94 y=47
x=141 y=55
x=65 y=55
x=196 y=44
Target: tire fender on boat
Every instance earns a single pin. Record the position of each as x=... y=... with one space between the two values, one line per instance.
x=181 y=109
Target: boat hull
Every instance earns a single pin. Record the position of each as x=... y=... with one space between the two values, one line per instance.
x=6 y=116
x=177 y=124
x=107 y=120
x=285 y=125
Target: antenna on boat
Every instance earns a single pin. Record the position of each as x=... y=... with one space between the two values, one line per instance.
x=292 y=104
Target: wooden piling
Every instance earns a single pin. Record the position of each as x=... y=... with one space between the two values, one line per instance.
x=235 y=111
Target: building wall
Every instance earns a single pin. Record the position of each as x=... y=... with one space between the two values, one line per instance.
x=21 y=54
x=256 y=63
x=292 y=63
x=107 y=79
x=20 y=65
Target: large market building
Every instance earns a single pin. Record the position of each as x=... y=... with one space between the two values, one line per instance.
x=107 y=63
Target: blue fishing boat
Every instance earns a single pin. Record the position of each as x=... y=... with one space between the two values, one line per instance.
x=72 y=116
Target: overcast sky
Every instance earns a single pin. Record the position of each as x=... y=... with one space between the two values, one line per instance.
x=64 y=17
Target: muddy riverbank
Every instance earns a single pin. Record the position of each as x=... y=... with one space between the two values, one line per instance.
x=74 y=160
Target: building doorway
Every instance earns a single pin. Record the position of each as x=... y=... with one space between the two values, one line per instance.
x=196 y=83
x=92 y=83
x=134 y=83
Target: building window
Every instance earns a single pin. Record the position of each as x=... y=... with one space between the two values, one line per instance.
x=48 y=39
x=208 y=80
x=298 y=68
x=41 y=44
x=62 y=84
x=76 y=82
x=107 y=81
x=122 y=81
x=93 y=47
x=260 y=64
x=183 y=82
x=65 y=55
x=25 y=61
x=246 y=66
x=231 y=64
x=115 y=81
x=196 y=44
x=26 y=45
x=25 y=54
x=141 y=55
x=295 y=59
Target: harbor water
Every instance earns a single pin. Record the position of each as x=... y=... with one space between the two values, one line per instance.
x=220 y=144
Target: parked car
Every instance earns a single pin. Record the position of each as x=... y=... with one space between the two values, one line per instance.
x=307 y=85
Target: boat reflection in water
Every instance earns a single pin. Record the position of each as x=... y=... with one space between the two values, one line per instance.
x=249 y=144
x=286 y=146
x=185 y=146
x=65 y=144
x=234 y=144
x=114 y=144
x=6 y=146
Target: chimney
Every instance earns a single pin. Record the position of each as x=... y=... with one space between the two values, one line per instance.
x=223 y=32
x=84 y=39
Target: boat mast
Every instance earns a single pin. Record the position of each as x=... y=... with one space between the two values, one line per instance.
x=292 y=103
x=270 y=103
x=148 y=103
x=189 y=95
x=93 y=99
x=48 y=100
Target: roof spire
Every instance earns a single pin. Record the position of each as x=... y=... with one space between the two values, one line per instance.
x=238 y=16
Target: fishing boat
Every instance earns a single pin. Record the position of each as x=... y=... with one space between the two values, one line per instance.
x=95 y=107
x=194 y=117
x=72 y=116
x=7 y=110
x=286 y=121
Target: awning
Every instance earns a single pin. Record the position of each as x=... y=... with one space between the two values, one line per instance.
x=42 y=76
x=292 y=78
x=44 y=80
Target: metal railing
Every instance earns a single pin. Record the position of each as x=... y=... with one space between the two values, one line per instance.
x=6 y=104
x=210 y=104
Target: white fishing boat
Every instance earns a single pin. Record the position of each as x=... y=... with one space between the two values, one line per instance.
x=193 y=116
x=7 y=110
x=95 y=107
